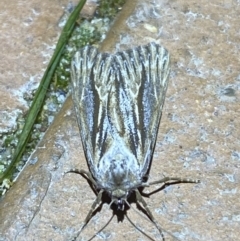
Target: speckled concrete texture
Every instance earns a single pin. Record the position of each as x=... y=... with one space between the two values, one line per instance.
x=29 y=31
x=198 y=138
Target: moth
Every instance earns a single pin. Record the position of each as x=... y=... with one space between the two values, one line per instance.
x=118 y=99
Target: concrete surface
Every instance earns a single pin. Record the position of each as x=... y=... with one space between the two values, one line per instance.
x=198 y=137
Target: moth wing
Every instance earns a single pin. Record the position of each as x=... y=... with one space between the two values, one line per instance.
x=137 y=97
x=92 y=77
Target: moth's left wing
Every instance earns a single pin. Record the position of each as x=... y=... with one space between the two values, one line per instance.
x=137 y=97
x=92 y=76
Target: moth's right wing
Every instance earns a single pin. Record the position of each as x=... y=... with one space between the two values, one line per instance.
x=137 y=97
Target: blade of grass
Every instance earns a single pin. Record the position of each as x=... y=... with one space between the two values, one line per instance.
x=42 y=90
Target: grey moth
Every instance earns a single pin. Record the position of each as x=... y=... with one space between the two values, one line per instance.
x=118 y=99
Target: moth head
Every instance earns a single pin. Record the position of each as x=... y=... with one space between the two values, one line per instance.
x=119 y=198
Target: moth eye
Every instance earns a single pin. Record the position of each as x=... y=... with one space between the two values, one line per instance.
x=120 y=204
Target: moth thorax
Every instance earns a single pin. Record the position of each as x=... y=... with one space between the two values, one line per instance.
x=119 y=170
x=119 y=194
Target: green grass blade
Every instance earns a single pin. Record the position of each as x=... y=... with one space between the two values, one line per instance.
x=42 y=90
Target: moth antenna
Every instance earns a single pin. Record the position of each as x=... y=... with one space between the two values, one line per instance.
x=96 y=202
x=90 y=213
x=139 y=229
x=101 y=228
x=140 y=199
x=147 y=219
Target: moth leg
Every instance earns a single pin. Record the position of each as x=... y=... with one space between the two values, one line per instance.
x=177 y=179
x=144 y=204
x=84 y=173
x=89 y=216
x=96 y=202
